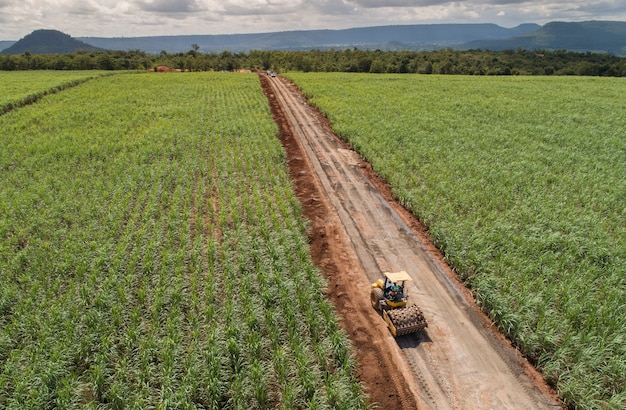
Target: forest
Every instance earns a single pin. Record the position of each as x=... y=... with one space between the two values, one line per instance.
x=444 y=61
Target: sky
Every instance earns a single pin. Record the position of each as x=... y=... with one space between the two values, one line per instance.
x=134 y=18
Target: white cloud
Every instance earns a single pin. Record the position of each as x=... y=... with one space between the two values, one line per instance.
x=395 y=3
x=168 y=6
x=260 y=7
x=109 y=18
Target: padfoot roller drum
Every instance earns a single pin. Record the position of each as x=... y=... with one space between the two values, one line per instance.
x=406 y=320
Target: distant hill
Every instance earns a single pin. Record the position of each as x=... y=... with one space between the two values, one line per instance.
x=48 y=42
x=406 y=37
x=594 y=36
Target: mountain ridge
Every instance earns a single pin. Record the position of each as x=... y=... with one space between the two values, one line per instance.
x=417 y=36
x=587 y=36
x=46 y=41
x=594 y=36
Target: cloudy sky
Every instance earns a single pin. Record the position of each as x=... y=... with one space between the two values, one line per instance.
x=130 y=18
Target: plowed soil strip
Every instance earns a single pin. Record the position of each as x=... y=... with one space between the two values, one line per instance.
x=459 y=361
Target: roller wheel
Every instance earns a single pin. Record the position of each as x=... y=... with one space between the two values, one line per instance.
x=376 y=297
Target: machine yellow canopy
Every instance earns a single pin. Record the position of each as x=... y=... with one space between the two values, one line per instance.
x=397 y=276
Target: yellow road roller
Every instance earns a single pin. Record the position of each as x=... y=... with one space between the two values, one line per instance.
x=389 y=297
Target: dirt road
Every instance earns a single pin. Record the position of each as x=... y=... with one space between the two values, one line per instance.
x=357 y=231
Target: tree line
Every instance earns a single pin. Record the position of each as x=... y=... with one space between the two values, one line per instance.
x=444 y=61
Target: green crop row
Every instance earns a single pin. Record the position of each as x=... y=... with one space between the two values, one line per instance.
x=25 y=87
x=153 y=254
x=521 y=182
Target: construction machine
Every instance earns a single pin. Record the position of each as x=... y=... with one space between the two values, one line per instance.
x=389 y=296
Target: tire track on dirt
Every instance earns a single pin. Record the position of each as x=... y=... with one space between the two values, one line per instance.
x=458 y=362
x=360 y=223
x=380 y=362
